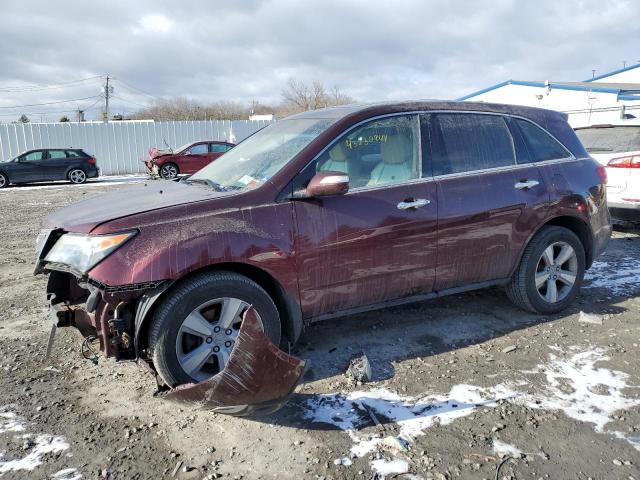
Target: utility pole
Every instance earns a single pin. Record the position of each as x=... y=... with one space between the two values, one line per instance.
x=106 y=100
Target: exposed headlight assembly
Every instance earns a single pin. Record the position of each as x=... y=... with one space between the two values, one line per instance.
x=83 y=252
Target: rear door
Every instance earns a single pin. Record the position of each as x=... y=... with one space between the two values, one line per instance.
x=55 y=165
x=488 y=202
x=377 y=242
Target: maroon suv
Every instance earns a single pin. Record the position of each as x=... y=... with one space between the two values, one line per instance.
x=188 y=158
x=320 y=215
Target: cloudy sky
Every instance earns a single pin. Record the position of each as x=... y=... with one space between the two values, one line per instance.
x=246 y=50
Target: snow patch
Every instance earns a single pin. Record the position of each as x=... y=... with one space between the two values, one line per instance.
x=389 y=467
x=620 y=278
x=502 y=448
x=573 y=384
x=67 y=474
x=43 y=444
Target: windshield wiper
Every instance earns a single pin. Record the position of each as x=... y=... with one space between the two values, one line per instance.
x=216 y=186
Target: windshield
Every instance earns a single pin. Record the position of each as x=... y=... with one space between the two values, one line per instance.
x=259 y=157
x=181 y=147
x=610 y=139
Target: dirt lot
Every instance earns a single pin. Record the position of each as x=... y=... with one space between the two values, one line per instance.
x=461 y=385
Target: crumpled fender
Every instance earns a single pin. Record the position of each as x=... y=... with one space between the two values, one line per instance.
x=258 y=378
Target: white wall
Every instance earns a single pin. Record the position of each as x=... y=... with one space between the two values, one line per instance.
x=118 y=146
x=583 y=107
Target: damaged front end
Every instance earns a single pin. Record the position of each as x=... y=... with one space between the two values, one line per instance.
x=257 y=379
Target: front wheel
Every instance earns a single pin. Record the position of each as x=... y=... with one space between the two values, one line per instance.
x=194 y=329
x=550 y=272
x=169 y=171
x=77 y=176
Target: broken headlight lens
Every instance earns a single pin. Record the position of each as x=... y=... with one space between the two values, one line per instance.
x=83 y=252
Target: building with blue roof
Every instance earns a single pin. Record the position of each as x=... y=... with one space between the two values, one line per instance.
x=612 y=98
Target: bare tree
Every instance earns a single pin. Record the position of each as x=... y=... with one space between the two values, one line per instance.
x=64 y=119
x=23 y=119
x=299 y=96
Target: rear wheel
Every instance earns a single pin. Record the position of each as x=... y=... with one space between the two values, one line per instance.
x=4 y=180
x=195 y=327
x=169 y=171
x=77 y=176
x=550 y=273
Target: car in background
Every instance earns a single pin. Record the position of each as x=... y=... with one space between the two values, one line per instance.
x=617 y=147
x=187 y=159
x=47 y=164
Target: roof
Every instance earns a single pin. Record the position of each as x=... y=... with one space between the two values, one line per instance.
x=614 y=72
x=624 y=91
x=374 y=109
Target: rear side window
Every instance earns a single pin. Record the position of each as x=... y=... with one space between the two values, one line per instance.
x=464 y=142
x=53 y=154
x=218 y=148
x=540 y=145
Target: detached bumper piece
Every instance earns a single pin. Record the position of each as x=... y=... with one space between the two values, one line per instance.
x=258 y=379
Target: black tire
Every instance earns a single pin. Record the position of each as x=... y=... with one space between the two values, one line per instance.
x=4 y=180
x=169 y=171
x=187 y=296
x=522 y=290
x=77 y=176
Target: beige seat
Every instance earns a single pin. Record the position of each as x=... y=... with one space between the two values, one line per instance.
x=396 y=164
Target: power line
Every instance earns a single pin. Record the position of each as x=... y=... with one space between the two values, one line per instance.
x=135 y=88
x=129 y=101
x=36 y=87
x=53 y=103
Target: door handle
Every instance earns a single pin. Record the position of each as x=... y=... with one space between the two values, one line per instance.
x=526 y=184
x=417 y=203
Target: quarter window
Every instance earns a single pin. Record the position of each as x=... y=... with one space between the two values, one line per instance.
x=199 y=149
x=464 y=142
x=540 y=144
x=72 y=153
x=381 y=152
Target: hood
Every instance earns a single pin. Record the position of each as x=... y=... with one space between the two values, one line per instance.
x=155 y=153
x=84 y=216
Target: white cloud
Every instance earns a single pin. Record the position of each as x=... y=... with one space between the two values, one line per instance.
x=153 y=23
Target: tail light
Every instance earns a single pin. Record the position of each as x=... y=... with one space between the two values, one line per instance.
x=632 y=161
x=602 y=173
x=92 y=160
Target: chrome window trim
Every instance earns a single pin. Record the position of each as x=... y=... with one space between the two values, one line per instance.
x=516 y=166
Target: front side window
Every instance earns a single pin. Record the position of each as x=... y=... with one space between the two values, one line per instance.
x=540 y=145
x=32 y=156
x=199 y=149
x=53 y=154
x=256 y=159
x=465 y=142
x=380 y=152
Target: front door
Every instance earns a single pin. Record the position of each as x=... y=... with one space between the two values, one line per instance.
x=377 y=242
x=28 y=167
x=488 y=203
x=195 y=158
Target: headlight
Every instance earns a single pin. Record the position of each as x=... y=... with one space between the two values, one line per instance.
x=83 y=252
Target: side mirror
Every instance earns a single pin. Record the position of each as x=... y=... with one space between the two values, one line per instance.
x=326 y=184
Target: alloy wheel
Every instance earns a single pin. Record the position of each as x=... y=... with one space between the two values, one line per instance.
x=556 y=272
x=77 y=176
x=169 y=171
x=3 y=181
x=207 y=336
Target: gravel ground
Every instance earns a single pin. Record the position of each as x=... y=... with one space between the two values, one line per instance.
x=461 y=385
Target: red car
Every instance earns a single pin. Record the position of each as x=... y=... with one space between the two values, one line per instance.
x=187 y=159
x=321 y=215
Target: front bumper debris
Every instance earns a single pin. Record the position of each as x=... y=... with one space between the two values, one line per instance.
x=257 y=380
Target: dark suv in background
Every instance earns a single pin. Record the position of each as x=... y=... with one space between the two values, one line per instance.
x=323 y=214
x=49 y=164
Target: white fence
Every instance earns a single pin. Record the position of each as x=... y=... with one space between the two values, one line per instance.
x=118 y=146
